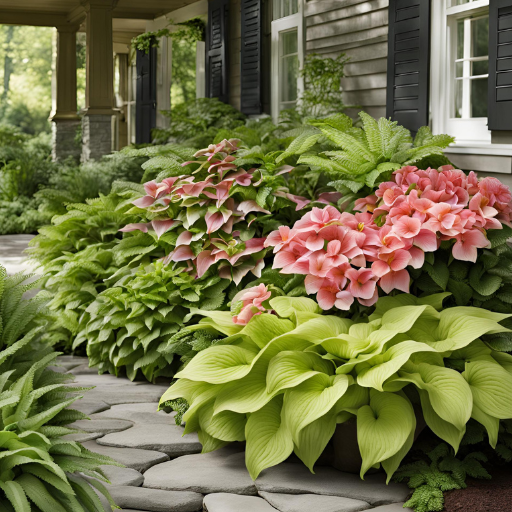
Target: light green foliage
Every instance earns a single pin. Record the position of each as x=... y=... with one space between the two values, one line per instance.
x=486 y=284
x=40 y=469
x=290 y=377
x=361 y=158
x=131 y=325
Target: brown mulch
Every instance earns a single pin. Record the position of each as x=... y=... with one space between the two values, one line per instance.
x=493 y=495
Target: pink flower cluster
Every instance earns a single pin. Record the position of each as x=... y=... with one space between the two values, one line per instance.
x=248 y=303
x=190 y=201
x=346 y=256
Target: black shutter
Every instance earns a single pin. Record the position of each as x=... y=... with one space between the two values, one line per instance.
x=250 y=67
x=408 y=62
x=145 y=112
x=217 y=68
x=499 y=103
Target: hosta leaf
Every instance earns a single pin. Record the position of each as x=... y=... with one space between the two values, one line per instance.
x=490 y=385
x=269 y=442
x=288 y=369
x=313 y=399
x=383 y=428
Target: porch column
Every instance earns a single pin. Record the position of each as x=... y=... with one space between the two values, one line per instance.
x=122 y=98
x=65 y=121
x=99 y=85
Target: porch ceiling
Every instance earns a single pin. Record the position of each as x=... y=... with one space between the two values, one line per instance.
x=60 y=12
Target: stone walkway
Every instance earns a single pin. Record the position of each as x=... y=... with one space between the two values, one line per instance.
x=165 y=472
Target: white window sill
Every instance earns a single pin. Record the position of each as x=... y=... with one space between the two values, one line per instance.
x=473 y=148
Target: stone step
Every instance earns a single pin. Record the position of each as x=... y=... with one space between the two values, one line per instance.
x=101 y=425
x=225 y=502
x=142 y=414
x=290 y=478
x=310 y=502
x=220 y=471
x=140 y=460
x=156 y=500
x=162 y=438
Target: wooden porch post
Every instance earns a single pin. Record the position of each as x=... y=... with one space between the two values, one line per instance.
x=64 y=115
x=99 y=88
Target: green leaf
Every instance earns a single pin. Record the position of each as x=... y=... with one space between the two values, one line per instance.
x=462 y=292
x=263 y=328
x=269 y=442
x=312 y=400
x=15 y=494
x=288 y=306
x=288 y=369
x=484 y=284
x=499 y=237
x=439 y=273
x=38 y=494
x=490 y=384
x=383 y=428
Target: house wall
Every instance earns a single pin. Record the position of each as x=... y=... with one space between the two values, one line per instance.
x=358 y=28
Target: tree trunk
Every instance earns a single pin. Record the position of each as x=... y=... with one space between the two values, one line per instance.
x=8 y=67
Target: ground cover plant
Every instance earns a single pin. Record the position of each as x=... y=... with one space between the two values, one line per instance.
x=41 y=469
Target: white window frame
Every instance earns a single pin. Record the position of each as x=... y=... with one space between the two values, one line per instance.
x=467 y=131
x=288 y=23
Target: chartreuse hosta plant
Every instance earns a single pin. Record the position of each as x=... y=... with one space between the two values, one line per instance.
x=285 y=380
x=40 y=470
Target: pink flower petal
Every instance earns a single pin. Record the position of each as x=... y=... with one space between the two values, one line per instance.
x=138 y=226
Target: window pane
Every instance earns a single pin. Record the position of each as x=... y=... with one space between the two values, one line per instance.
x=459 y=66
x=458 y=98
x=479 y=97
x=459 y=2
x=289 y=68
x=283 y=8
x=460 y=39
x=480 y=37
x=289 y=42
x=480 y=67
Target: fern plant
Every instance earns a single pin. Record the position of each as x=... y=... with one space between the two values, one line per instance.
x=41 y=469
x=360 y=158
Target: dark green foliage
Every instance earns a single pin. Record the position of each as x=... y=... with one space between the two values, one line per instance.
x=39 y=464
x=322 y=76
x=442 y=472
x=180 y=406
x=196 y=123
x=486 y=284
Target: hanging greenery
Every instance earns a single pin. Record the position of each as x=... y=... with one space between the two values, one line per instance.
x=190 y=31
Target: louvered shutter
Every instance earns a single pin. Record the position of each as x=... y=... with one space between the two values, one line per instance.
x=145 y=106
x=500 y=65
x=250 y=65
x=217 y=69
x=408 y=62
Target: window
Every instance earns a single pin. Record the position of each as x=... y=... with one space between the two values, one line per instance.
x=287 y=54
x=460 y=66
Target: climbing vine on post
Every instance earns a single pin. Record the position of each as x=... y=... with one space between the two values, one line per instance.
x=190 y=31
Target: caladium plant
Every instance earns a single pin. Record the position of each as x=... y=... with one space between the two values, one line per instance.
x=285 y=380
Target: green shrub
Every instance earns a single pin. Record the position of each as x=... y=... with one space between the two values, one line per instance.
x=42 y=470
x=283 y=382
x=196 y=123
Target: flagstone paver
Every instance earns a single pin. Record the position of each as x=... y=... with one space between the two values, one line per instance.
x=140 y=460
x=295 y=478
x=168 y=439
x=311 y=502
x=225 y=502
x=123 y=476
x=90 y=406
x=156 y=500
x=220 y=471
x=102 y=425
x=140 y=414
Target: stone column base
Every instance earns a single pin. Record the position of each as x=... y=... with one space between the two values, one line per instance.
x=96 y=136
x=65 y=139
